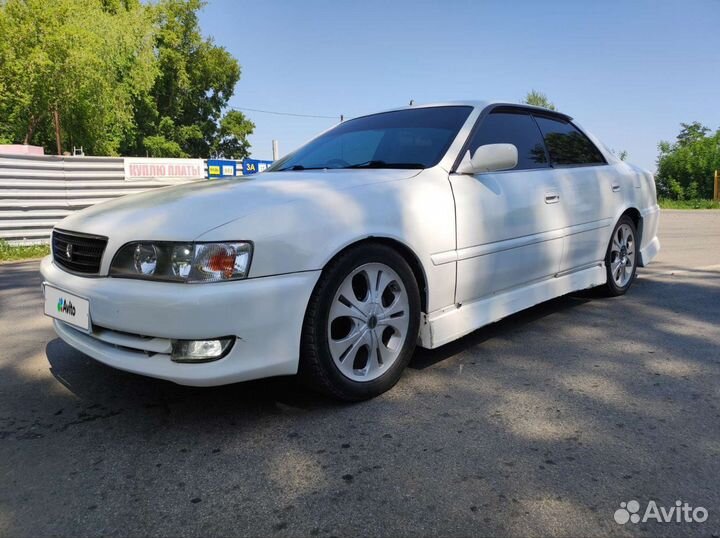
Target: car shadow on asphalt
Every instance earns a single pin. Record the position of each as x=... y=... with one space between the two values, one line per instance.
x=95 y=382
x=425 y=358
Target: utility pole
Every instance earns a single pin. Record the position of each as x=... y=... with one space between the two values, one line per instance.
x=716 y=190
x=276 y=150
x=56 y=118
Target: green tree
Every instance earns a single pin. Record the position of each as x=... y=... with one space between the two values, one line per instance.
x=163 y=143
x=691 y=132
x=116 y=77
x=537 y=98
x=686 y=167
x=196 y=80
x=70 y=71
x=231 y=141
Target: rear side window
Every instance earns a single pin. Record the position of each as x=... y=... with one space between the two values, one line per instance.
x=567 y=145
x=513 y=128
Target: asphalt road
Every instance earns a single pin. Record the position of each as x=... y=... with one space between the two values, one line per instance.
x=538 y=425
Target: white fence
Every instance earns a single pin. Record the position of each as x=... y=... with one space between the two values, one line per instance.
x=38 y=191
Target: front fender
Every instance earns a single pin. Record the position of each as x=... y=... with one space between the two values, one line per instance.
x=305 y=234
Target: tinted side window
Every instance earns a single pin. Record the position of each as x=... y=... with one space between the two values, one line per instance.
x=567 y=145
x=510 y=128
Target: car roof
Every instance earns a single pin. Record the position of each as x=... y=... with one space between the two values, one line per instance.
x=479 y=104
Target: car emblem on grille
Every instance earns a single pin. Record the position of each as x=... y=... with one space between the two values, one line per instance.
x=69 y=251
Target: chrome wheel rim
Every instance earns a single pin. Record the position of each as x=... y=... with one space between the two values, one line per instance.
x=622 y=255
x=368 y=322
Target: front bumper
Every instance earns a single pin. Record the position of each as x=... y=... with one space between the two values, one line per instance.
x=264 y=314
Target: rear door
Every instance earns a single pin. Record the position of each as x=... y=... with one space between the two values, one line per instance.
x=509 y=223
x=588 y=193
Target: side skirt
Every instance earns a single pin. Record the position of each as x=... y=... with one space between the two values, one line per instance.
x=448 y=324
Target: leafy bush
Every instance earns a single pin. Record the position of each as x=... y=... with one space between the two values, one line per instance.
x=667 y=203
x=686 y=168
x=13 y=253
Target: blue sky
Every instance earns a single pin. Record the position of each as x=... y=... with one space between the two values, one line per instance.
x=630 y=71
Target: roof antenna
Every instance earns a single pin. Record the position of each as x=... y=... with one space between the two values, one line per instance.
x=412 y=102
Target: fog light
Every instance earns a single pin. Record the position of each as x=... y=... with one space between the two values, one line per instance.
x=201 y=350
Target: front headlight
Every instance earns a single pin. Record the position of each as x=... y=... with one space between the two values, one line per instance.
x=183 y=262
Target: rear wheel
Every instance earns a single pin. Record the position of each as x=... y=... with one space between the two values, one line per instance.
x=361 y=325
x=621 y=258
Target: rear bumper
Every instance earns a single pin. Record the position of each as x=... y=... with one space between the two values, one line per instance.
x=264 y=314
x=650 y=244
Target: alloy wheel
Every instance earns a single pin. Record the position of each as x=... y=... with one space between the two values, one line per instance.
x=622 y=255
x=368 y=322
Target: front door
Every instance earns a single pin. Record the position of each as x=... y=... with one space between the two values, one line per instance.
x=509 y=224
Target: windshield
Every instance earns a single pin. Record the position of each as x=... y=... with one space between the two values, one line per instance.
x=413 y=138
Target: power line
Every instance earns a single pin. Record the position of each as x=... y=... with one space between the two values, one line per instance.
x=287 y=113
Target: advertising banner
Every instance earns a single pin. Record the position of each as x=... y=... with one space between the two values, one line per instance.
x=222 y=168
x=180 y=170
x=253 y=166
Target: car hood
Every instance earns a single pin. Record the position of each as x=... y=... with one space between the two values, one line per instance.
x=184 y=212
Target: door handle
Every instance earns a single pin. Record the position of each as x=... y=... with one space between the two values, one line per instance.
x=552 y=198
x=615 y=187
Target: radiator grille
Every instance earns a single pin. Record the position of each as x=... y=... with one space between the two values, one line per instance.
x=79 y=253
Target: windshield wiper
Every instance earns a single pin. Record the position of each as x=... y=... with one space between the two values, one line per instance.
x=367 y=164
x=301 y=167
x=383 y=164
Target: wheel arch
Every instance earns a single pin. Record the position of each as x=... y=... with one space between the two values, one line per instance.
x=636 y=216
x=637 y=219
x=401 y=248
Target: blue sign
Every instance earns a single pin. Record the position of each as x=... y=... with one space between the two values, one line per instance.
x=253 y=166
x=220 y=168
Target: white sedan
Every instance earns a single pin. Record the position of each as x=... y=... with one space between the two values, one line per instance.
x=410 y=227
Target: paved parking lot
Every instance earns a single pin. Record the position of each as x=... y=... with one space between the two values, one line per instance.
x=538 y=425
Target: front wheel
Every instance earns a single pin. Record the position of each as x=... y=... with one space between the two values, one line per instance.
x=621 y=258
x=361 y=324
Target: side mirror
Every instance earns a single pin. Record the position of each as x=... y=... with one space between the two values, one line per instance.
x=489 y=158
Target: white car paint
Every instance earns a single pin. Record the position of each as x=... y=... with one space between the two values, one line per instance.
x=487 y=246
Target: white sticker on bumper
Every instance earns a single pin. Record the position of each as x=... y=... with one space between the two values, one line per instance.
x=67 y=307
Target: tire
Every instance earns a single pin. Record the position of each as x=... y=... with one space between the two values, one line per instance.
x=623 y=246
x=349 y=319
